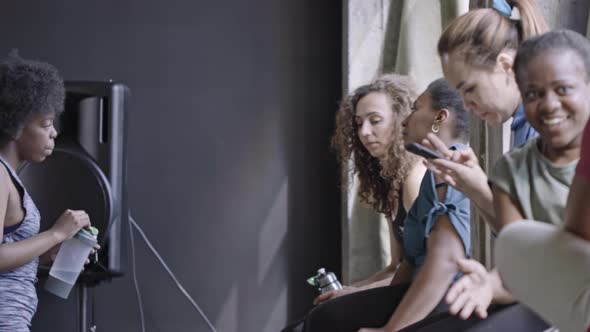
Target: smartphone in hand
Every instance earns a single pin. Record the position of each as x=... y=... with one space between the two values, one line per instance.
x=423 y=151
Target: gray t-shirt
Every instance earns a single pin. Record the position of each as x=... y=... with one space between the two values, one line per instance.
x=540 y=187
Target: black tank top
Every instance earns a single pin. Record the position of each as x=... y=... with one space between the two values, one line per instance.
x=399 y=219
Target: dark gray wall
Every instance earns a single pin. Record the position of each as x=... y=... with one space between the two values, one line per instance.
x=230 y=171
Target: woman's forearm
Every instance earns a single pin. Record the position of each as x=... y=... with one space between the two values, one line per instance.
x=426 y=291
x=482 y=196
x=444 y=249
x=500 y=294
x=379 y=283
x=483 y=200
x=16 y=254
x=381 y=278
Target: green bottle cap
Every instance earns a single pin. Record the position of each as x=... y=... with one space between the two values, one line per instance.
x=93 y=230
x=87 y=235
x=312 y=281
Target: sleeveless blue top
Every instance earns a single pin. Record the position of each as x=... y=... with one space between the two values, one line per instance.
x=18 y=297
x=425 y=212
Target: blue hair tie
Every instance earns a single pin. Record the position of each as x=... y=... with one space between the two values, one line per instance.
x=502 y=7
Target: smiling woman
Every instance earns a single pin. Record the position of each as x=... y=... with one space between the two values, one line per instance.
x=533 y=182
x=553 y=91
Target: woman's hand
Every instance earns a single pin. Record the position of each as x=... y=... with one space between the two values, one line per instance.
x=459 y=169
x=92 y=252
x=472 y=292
x=366 y=329
x=334 y=294
x=69 y=223
x=49 y=257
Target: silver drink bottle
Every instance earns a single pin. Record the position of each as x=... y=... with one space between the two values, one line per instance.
x=325 y=281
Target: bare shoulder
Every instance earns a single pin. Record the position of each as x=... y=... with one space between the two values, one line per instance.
x=416 y=173
x=412 y=183
x=5 y=179
x=5 y=188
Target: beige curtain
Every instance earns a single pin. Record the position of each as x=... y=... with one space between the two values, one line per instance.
x=384 y=36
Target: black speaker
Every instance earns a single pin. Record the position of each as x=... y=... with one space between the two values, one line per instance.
x=87 y=171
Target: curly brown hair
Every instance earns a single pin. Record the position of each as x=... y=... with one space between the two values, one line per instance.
x=380 y=180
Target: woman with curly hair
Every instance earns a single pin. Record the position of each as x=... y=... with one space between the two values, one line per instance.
x=436 y=233
x=31 y=96
x=369 y=133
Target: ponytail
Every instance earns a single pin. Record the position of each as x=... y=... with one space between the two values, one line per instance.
x=481 y=34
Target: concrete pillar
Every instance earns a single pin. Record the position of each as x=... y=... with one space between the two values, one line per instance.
x=384 y=36
x=365 y=243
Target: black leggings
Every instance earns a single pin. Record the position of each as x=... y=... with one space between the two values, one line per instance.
x=370 y=308
x=374 y=307
x=511 y=317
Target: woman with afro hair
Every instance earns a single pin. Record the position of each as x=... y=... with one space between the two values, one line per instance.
x=31 y=97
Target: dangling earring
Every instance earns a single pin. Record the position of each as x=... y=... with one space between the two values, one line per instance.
x=435 y=127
